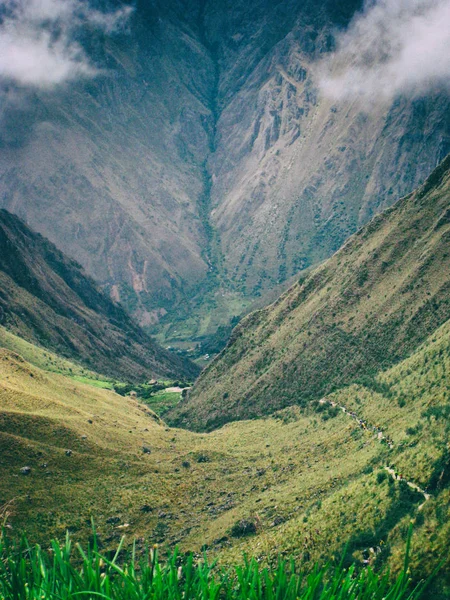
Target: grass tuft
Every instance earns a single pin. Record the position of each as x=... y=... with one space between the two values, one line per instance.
x=66 y=572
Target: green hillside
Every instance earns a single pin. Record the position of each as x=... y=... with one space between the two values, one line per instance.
x=48 y=300
x=366 y=308
x=301 y=483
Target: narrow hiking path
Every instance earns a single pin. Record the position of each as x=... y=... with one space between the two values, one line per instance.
x=363 y=424
x=381 y=437
x=411 y=484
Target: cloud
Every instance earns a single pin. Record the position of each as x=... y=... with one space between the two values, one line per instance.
x=392 y=48
x=38 y=47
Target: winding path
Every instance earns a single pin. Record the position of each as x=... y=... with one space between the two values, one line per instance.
x=412 y=485
x=381 y=437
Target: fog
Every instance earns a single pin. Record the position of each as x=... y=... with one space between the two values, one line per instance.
x=38 y=40
x=391 y=48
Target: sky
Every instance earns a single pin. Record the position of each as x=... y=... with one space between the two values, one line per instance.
x=391 y=48
x=38 y=40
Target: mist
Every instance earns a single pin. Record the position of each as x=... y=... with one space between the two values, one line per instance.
x=391 y=48
x=38 y=40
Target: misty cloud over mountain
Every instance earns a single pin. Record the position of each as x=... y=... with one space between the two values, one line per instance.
x=38 y=40
x=182 y=152
x=393 y=47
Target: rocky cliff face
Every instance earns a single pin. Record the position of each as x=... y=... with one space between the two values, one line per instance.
x=204 y=160
x=294 y=174
x=111 y=170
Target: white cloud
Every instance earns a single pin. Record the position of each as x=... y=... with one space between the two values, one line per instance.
x=37 y=40
x=393 y=47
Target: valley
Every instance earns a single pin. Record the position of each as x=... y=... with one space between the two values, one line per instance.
x=224 y=300
x=211 y=166
x=295 y=476
x=93 y=453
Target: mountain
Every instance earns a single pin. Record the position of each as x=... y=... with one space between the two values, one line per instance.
x=363 y=310
x=210 y=166
x=47 y=299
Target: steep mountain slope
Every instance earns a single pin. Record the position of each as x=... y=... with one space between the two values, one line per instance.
x=294 y=173
x=46 y=298
x=307 y=481
x=366 y=308
x=208 y=163
x=111 y=169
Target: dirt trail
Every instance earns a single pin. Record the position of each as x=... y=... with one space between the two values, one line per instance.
x=381 y=437
x=411 y=484
x=363 y=424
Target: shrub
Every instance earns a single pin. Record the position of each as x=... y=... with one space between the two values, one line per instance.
x=243 y=528
x=381 y=476
x=203 y=458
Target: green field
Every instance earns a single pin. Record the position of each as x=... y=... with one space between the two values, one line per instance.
x=163 y=401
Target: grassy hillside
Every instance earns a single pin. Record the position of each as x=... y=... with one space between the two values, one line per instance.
x=300 y=483
x=49 y=361
x=363 y=310
x=48 y=300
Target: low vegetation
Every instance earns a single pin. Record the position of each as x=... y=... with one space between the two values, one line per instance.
x=65 y=572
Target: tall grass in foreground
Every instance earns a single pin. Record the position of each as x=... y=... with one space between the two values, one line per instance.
x=69 y=572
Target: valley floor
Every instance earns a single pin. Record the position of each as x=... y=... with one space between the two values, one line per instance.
x=301 y=483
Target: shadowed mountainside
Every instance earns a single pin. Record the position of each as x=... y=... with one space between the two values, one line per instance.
x=47 y=299
x=209 y=164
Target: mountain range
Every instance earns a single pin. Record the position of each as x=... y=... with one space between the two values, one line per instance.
x=359 y=451
x=209 y=163
x=198 y=183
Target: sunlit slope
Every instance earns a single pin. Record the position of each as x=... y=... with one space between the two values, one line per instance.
x=49 y=361
x=410 y=405
x=363 y=310
x=48 y=299
x=306 y=480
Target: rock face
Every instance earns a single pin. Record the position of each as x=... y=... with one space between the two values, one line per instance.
x=368 y=307
x=48 y=300
x=205 y=159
